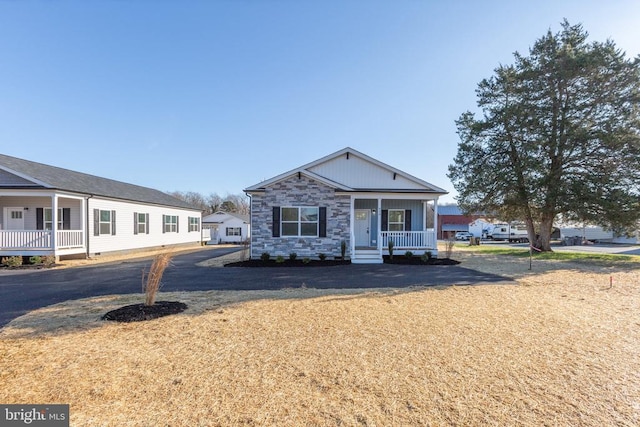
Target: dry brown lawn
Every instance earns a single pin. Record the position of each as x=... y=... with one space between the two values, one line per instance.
x=558 y=347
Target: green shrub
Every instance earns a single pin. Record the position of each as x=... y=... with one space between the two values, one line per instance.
x=36 y=259
x=390 y=247
x=265 y=256
x=12 y=261
x=279 y=259
x=306 y=260
x=426 y=256
x=322 y=256
x=293 y=256
x=408 y=254
x=343 y=249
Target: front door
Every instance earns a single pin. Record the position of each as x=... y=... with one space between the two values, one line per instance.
x=361 y=227
x=14 y=219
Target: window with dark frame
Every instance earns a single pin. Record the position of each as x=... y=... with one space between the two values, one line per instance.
x=234 y=231
x=194 y=223
x=299 y=221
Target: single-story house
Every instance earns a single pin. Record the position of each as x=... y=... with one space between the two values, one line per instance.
x=227 y=227
x=345 y=197
x=47 y=210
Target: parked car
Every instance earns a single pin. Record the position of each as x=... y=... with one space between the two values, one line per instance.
x=463 y=235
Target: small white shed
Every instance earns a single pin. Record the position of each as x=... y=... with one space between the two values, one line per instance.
x=227 y=227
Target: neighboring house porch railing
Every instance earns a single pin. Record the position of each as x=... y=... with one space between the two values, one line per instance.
x=40 y=239
x=409 y=239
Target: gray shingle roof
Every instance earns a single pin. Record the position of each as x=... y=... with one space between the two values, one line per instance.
x=38 y=175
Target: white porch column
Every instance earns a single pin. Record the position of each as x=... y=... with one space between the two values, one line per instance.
x=435 y=219
x=425 y=205
x=379 y=226
x=83 y=221
x=54 y=222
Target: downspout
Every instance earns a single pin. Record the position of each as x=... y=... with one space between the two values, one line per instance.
x=86 y=222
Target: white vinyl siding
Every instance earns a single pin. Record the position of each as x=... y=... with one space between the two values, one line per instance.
x=126 y=239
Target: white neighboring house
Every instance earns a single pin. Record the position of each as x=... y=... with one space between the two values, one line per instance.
x=46 y=210
x=227 y=227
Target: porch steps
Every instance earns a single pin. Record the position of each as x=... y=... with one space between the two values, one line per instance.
x=363 y=256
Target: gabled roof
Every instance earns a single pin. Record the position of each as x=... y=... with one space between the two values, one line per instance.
x=211 y=218
x=17 y=173
x=351 y=170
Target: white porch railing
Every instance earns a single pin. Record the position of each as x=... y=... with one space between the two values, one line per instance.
x=19 y=239
x=70 y=239
x=40 y=239
x=409 y=239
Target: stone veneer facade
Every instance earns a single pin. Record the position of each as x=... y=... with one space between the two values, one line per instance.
x=299 y=192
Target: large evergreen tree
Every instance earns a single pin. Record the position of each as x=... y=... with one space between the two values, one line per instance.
x=560 y=135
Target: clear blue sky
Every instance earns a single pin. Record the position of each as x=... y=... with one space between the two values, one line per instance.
x=215 y=96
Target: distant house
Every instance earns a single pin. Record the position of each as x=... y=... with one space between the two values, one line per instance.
x=451 y=219
x=345 y=197
x=227 y=227
x=46 y=210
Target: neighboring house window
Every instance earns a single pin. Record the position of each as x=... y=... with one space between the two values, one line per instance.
x=194 y=223
x=104 y=222
x=44 y=219
x=396 y=220
x=299 y=221
x=48 y=222
x=234 y=231
x=140 y=223
x=170 y=224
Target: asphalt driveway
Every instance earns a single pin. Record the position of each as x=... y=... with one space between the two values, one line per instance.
x=25 y=290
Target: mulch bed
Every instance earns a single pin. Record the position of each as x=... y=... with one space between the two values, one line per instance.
x=418 y=260
x=141 y=312
x=288 y=263
x=328 y=263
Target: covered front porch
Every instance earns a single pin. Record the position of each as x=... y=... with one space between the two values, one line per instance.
x=42 y=223
x=406 y=222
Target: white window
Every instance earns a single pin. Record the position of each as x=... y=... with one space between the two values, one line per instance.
x=234 y=231
x=194 y=223
x=396 y=220
x=170 y=224
x=141 y=224
x=48 y=223
x=105 y=222
x=299 y=221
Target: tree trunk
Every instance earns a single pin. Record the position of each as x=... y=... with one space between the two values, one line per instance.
x=543 y=240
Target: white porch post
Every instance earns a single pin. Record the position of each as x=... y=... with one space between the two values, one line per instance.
x=435 y=219
x=83 y=221
x=425 y=205
x=54 y=222
x=379 y=226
